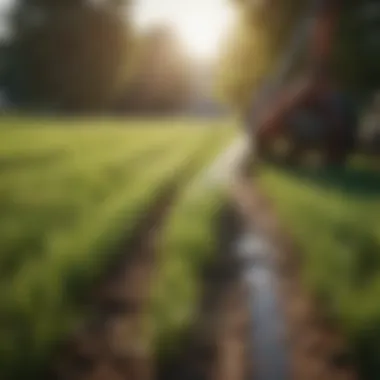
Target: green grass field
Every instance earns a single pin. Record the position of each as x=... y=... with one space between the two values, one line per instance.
x=188 y=245
x=68 y=191
x=334 y=217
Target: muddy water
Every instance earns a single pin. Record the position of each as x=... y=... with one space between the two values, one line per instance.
x=217 y=345
x=267 y=322
x=255 y=255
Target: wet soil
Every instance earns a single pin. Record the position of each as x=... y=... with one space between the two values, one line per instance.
x=114 y=342
x=316 y=345
x=218 y=346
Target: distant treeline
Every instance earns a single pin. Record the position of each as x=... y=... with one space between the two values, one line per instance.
x=79 y=56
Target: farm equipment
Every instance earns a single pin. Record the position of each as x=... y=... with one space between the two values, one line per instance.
x=311 y=117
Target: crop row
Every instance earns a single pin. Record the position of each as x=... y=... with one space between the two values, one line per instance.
x=59 y=224
x=334 y=218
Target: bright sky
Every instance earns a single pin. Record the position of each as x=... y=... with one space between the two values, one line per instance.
x=200 y=24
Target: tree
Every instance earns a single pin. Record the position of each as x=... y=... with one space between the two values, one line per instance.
x=71 y=53
x=264 y=30
x=357 y=55
x=255 y=45
x=162 y=77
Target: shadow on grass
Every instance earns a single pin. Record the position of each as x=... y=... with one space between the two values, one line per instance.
x=359 y=182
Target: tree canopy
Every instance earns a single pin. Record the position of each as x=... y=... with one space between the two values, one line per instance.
x=86 y=56
x=163 y=74
x=71 y=54
x=263 y=32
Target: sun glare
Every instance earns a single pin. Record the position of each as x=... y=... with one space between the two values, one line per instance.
x=202 y=35
x=200 y=25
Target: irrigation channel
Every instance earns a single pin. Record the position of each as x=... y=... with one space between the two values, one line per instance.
x=255 y=253
x=255 y=320
x=289 y=335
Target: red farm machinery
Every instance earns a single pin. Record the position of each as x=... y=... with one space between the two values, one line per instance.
x=309 y=117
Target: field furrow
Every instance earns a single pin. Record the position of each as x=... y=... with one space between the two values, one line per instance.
x=63 y=215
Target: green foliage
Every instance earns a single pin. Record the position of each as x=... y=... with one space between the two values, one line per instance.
x=241 y=67
x=85 y=56
x=254 y=47
x=264 y=30
x=357 y=54
x=333 y=217
x=162 y=74
x=71 y=55
x=188 y=245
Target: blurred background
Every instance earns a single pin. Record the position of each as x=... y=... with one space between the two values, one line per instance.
x=96 y=56
x=122 y=126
